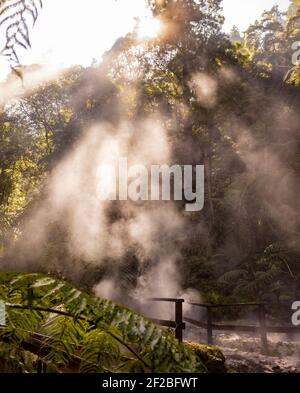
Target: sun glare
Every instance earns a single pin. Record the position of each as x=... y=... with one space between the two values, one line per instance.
x=148 y=27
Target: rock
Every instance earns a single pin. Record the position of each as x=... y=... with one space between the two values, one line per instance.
x=211 y=356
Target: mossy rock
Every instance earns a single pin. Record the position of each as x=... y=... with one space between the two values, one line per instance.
x=211 y=356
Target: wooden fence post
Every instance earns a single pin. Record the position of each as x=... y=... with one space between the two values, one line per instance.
x=263 y=329
x=179 y=319
x=209 y=327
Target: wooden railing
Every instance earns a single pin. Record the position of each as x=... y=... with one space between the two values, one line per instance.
x=209 y=325
x=177 y=324
x=262 y=329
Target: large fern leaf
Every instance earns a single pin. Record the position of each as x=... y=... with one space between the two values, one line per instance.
x=16 y=17
x=74 y=329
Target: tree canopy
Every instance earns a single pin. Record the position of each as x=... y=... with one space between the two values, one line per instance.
x=192 y=95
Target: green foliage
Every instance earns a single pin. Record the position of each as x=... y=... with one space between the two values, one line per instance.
x=211 y=356
x=246 y=136
x=15 y=16
x=76 y=331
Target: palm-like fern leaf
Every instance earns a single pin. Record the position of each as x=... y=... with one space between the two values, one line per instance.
x=74 y=328
x=15 y=19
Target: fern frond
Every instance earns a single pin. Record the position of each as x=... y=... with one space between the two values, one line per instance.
x=95 y=334
x=99 y=352
x=15 y=359
x=15 y=18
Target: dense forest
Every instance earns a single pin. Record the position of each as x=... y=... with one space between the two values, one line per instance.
x=192 y=95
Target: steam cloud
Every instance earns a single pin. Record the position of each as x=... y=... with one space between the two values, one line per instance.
x=72 y=207
x=94 y=231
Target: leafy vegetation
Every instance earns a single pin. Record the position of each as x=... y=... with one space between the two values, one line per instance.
x=16 y=18
x=211 y=356
x=39 y=129
x=50 y=321
x=229 y=102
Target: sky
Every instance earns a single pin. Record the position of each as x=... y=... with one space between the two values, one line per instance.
x=244 y=12
x=84 y=32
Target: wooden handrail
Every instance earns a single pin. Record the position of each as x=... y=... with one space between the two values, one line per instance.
x=243 y=328
x=166 y=299
x=262 y=329
x=225 y=304
x=178 y=324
